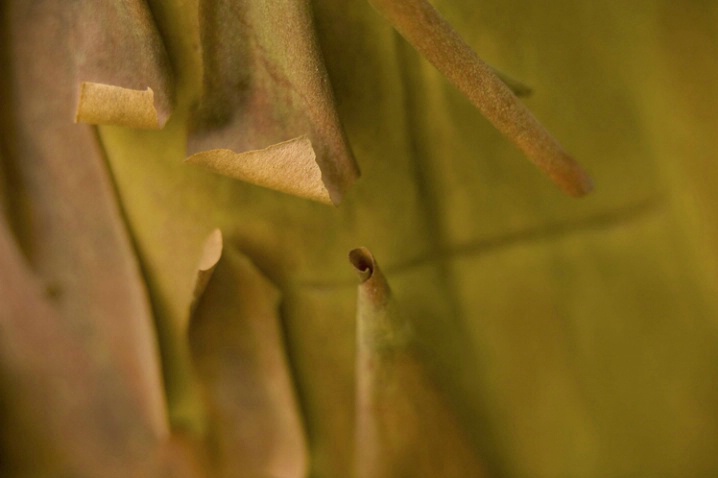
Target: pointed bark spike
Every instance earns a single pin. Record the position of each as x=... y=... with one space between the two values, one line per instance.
x=405 y=427
x=374 y=299
x=427 y=31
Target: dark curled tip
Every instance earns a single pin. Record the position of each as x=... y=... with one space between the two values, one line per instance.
x=363 y=262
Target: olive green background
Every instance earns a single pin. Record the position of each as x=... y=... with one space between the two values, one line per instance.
x=575 y=338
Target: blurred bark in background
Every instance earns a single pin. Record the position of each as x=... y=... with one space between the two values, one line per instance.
x=574 y=338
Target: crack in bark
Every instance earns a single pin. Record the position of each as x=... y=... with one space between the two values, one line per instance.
x=599 y=221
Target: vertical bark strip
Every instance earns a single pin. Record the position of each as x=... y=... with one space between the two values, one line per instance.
x=422 y=26
x=85 y=355
x=254 y=427
x=264 y=84
x=404 y=426
x=66 y=409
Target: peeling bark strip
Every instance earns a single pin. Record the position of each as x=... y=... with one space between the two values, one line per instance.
x=254 y=426
x=289 y=167
x=78 y=348
x=211 y=254
x=424 y=28
x=404 y=426
x=264 y=83
x=124 y=76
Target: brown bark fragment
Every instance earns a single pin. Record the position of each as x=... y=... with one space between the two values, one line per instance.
x=289 y=167
x=264 y=84
x=254 y=426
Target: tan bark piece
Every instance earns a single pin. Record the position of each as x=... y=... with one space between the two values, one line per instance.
x=290 y=167
x=107 y=104
x=254 y=426
x=427 y=31
x=264 y=82
x=123 y=74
